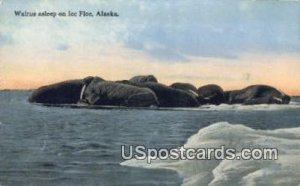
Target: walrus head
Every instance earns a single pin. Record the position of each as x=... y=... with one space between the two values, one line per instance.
x=280 y=98
x=88 y=83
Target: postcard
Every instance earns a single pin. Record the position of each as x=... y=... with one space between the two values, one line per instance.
x=140 y=92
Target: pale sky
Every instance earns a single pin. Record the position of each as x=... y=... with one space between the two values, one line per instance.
x=233 y=43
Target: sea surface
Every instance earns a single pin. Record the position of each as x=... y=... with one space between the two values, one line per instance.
x=66 y=146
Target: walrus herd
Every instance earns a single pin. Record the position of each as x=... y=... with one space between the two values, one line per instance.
x=146 y=91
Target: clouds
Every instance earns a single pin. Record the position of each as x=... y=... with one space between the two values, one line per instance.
x=233 y=43
x=171 y=31
x=224 y=29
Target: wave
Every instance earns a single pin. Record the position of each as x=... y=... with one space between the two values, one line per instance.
x=284 y=171
x=222 y=107
x=239 y=107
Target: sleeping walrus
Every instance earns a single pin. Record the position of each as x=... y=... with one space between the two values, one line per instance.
x=257 y=94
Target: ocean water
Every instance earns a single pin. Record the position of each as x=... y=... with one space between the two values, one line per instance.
x=67 y=146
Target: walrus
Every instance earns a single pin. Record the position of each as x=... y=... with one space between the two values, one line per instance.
x=66 y=92
x=257 y=94
x=98 y=92
x=168 y=96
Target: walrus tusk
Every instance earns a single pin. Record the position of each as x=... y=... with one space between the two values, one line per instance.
x=277 y=99
x=82 y=91
x=193 y=92
x=209 y=97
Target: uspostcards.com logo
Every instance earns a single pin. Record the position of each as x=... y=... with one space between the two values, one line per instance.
x=141 y=152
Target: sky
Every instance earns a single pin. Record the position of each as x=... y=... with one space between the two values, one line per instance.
x=233 y=43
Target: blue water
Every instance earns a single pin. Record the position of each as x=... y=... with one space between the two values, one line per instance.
x=64 y=146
